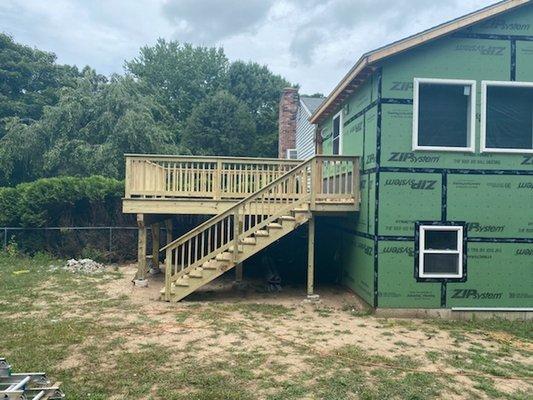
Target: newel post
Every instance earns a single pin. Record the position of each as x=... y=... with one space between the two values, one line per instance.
x=168 y=274
x=356 y=181
x=313 y=181
x=128 y=174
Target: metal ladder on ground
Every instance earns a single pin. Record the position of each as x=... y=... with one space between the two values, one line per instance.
x=269 y=214
x=26 y=386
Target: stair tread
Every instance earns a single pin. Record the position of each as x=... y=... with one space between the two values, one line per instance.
x=274 y=225
x=261 y=233
x=287 y=218
x=248 y=240
x=209 y=265
x=225 y=256
x=231 y=249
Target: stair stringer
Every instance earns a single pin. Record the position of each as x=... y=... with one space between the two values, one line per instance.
x=179 y=290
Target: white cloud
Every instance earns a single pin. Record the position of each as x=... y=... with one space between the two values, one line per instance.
x=310 y=42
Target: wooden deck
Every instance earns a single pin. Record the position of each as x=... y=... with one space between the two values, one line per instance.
x=255 y=202
x=173 y=185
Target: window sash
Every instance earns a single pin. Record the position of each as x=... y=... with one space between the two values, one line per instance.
x=483 y=138
x=471 y=131
x=423 y=251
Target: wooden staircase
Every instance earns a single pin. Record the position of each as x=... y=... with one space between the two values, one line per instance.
x=219 y=244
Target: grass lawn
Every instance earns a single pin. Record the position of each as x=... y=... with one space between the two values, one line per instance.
x=104 y=339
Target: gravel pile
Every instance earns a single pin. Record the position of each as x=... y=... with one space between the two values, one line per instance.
x=85 y=265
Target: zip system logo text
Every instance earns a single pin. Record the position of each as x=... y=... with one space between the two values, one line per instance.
x=474 y=294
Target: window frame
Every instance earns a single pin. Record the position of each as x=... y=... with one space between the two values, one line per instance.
x=422 y=228
x=288 y=155
x=338 y=115
x=471 y=136
x=483 y=128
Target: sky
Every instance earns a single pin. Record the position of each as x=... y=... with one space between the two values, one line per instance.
x=310 y=42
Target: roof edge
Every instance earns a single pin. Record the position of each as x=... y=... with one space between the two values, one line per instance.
x=370 y=58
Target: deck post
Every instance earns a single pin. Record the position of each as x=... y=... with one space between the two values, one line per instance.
x=217 y=181
x=311 y=260
x=155 y=248
x=140 y=279
x=168 y=227
x=238 y=267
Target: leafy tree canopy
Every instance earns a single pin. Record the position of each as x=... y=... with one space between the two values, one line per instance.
x=174 y=98
x=29 y=80
x=221 y=124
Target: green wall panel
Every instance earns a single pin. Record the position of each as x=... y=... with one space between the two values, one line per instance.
x=396 y=145
x=406 y=198
x=359 y=100
x=352 y=137
x=451 y=58
x=363 y=214
x=369 y=160
x=358 y=266
x=499 y=275
x=371 y=203
x=496 y=206
x=516 y=23
x=524 y=61
x=397 y=287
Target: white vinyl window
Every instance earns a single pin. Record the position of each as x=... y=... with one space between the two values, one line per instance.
x=444 y=115
x=292 y=154
x=507 y=117
x=336 y=137
x=440 y=251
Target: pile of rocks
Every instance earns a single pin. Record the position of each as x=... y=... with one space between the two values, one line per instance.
x=85 y=265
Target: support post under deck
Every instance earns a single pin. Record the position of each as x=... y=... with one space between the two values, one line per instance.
x=140 y=279
x=311 y=260
x=155 y=248
x=168 y=226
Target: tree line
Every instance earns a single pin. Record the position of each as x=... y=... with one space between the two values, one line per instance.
x=173 y=98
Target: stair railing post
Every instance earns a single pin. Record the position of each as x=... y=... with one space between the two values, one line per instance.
x=217 y=184
x=235 y=235
x=355 y=180
x=168 y=273
x=128 y=178
x=313 y=181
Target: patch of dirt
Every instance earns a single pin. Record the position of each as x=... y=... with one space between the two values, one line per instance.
x=334 y=322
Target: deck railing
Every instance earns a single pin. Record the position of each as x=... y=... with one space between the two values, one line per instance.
x=214 y=178
x=319 y=179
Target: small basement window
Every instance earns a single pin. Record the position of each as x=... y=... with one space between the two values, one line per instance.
x=444 y=115
x=507 y=117
x=440 y=251
x=336 y=137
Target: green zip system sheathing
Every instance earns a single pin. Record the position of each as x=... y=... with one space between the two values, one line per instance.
x=491 y=194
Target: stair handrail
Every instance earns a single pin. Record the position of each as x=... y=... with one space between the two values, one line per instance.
x=303 y=190
x=232 y=209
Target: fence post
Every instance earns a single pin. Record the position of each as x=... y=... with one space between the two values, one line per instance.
x=5 y=239
x=110 y=239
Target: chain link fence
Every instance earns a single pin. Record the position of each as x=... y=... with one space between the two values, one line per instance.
x=102 y=243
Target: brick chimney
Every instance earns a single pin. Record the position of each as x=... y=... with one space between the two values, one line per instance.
x=288 y=108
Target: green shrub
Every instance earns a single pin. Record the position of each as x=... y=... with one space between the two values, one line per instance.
x=62 y=201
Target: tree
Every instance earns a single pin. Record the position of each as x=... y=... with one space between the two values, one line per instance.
x=180 y=75
x=220 y=125
x=29 y=80
x=87 y=132
x=260 y=90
